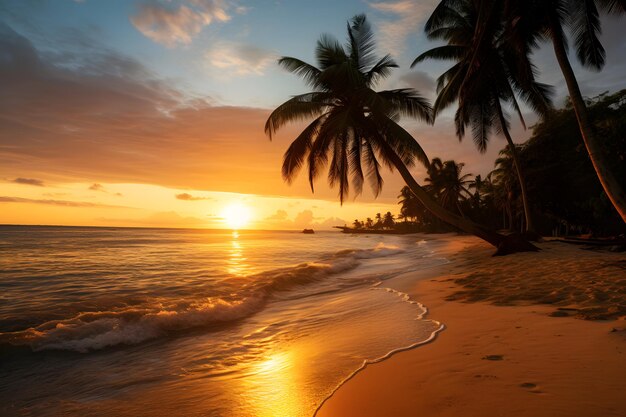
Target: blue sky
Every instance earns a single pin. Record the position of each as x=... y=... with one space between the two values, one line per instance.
x=230 y=59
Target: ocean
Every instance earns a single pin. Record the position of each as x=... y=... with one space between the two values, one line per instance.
x=180 y=322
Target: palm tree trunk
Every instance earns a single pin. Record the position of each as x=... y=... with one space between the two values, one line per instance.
x=530 y=226
x=431 y=205
x=509 y=212
x=458 y=207
x=610 y=184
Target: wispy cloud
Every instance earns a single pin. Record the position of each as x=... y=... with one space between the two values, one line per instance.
x=101 y=188
x=239 y=58
x=403 y=18
x=173 y=24
x=64 y=203
x=189 y=197
x=29 y=181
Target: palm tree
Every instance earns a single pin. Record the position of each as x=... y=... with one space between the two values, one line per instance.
x=369 y=223
x=532 y=21
x=354 y=126
x=477 y=184
x=485 y=75
x=379 y=221
x=410 y=205
x=447 y=183
x=388 y=220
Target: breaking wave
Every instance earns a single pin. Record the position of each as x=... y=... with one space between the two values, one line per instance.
x=162 y=317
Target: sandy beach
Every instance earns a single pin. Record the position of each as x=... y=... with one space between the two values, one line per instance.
x=522 y=338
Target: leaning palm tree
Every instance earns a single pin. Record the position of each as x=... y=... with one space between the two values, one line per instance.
x=355 y=127
x=533 y=21
x=485 y=76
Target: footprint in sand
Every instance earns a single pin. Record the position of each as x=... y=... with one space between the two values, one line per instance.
x=531 y=387
x=493 y=357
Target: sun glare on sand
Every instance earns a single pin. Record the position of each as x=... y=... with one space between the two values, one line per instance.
x=236 y=215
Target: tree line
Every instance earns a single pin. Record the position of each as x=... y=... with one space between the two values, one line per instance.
x=564 y=193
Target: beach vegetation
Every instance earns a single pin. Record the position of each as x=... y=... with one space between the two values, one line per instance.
x=529 y=23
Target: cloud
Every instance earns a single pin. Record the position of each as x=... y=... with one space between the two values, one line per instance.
x=101 y=188
x=189 y=197
x=239 y=59
x=304 y=218
x=173 y=24
x=406 y=18
x=64 y=203
x=97 y=187
x=29 y=181
x=103 y=115
x=279 y=215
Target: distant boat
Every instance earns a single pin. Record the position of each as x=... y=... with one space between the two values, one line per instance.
x=308 y=231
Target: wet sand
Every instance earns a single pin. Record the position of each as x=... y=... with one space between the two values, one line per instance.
x=518 y=340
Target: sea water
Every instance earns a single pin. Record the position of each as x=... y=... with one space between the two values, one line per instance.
x=162 y=322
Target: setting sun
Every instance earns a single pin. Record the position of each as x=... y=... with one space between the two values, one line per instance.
x=236 y=215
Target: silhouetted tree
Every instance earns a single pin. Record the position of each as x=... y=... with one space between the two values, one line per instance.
x=485 y=74
x=388 y=220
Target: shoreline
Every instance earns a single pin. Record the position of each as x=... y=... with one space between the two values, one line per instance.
x=530 y=360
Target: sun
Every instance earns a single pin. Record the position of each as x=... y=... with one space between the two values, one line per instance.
x=236 y=215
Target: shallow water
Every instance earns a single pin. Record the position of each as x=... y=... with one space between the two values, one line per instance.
x=97 y=321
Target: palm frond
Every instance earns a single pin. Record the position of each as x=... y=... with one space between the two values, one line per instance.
x=453 y=52
x=407 y=102
x=585 y=25
x=361 y=43
x=329 y=52
x=354 y=156
x=308 y=72
x=297 y=108
x=450 y=92
x=296 y=153
x=381 y=69
x=445 y=12
x=613 y=6
x=373 y=169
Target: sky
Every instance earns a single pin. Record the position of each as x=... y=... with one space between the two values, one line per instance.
x=151 y=112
